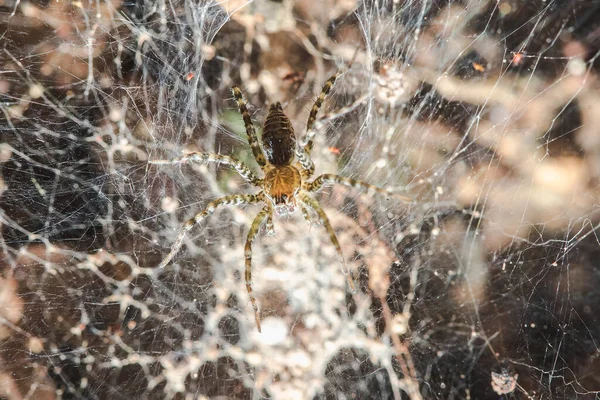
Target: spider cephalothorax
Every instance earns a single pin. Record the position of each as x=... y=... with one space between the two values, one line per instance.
x=285 y=186
x=281 y=187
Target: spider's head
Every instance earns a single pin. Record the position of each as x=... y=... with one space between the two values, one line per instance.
x=281 y=187
x=285 y=205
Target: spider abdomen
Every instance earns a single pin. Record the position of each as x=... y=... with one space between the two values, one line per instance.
x=279 y=140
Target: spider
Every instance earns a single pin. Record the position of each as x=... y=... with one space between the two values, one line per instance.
x=285 y=187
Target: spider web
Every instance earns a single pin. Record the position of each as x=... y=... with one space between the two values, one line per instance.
x=486 y=113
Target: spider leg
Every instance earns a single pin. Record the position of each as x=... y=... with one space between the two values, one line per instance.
x=269 y=225
x=303 y=154
x=312 y=117
x=305 y=213
x=201 y=157
x=209 y=209
x=321 y=180
x=314 y=204
x=258 y=220
x=250 y=131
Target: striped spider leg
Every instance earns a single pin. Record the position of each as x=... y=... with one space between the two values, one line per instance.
x=314 y=204
x=303 y=153
x=200 y=157
x=259 y=156
x=244 y=172
x=324 y=179
x=234 y=199
x=265 y=213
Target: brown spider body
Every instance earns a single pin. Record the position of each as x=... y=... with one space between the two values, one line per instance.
x=286 y=167
x=278 y=138
x=281 y=186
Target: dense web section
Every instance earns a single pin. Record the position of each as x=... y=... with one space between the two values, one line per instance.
x=485 y=286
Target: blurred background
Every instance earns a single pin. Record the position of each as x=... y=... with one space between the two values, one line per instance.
x=486 y=286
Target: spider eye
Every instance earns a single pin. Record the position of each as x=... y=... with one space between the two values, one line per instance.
x=284 y=197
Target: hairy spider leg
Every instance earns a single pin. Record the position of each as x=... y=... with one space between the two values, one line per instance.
x=254 y=228
x=312 y=117
x=234 y=199
x=252 y=140
x=314 y=204
x=304 y=154
x=269 y=227
x=321 y=180
x=305 y=213
x=202 y=157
